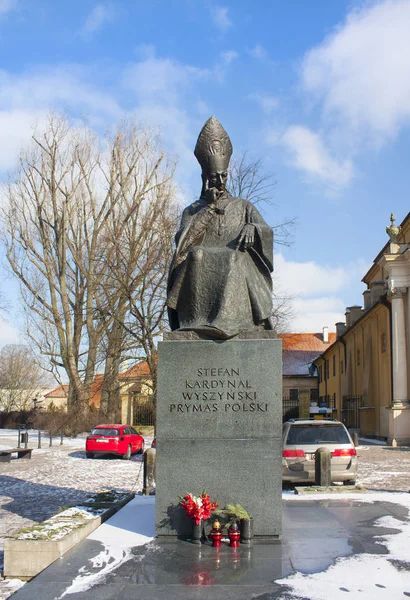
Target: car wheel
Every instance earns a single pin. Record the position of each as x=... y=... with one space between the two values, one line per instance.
x=89 y=454
x=127 y=455
x=350 y=482
x=141 y=450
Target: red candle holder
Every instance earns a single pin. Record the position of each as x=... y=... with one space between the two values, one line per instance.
x=234 y=535
x=216 y=534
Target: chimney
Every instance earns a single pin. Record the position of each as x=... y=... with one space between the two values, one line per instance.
x=325 y=335
x=340 y=328
x=376 y=290
x=348 y=317
x=355 y=313
x=366 y=299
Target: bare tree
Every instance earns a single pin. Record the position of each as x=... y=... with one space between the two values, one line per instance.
x=134 y=286
x=20 y=378
x=248 y=179
x=66 y=215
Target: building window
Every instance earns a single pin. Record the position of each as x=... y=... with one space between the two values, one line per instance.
x=383 y=342
x=358 y=358
x=342 y=367
x=320 y=374
x=334 y=365
x=327 y=369
x=294 y=394
x=314 y=395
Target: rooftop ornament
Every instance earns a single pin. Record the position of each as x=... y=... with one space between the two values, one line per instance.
x=393 y=231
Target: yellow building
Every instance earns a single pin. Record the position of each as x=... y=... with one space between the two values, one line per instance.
x=136 y=403
x=365 y=372
x=137 y=406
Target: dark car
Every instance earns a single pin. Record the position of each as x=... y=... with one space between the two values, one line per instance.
x=121 y=440
x=301 y=439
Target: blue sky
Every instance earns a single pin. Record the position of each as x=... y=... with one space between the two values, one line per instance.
x=320 y=89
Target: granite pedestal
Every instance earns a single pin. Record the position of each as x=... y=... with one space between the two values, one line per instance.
x=219 y=428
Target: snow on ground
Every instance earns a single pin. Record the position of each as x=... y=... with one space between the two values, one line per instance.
x=382 y=467
x=118 y=540
x=31 y=491
x=9 y=586
x=373 y=442
x=364 y=576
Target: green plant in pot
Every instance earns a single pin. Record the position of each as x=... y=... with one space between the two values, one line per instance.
x=236 y=512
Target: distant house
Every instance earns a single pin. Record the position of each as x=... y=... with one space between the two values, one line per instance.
x=22 y=399
x=300 y=379
x=56 y=398
x=135 y=393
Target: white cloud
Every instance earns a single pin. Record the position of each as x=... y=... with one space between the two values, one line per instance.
x=8 y=334
x=258 y=52
x=308 y=152
x=267 y=102
x=358 y=75
x=6 y=6
x=161 y=80
x=316 y=291
x=229 y=56
x=65 y=85
x=220 y=18
x=98 y=17
x=361 y=71
x=16 y=128
x=310 y=278
x=26 y=99
x=311 y=315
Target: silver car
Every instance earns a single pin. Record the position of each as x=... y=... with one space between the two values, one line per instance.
x=301 y=438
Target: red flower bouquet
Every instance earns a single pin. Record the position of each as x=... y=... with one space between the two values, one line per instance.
x=198 y=507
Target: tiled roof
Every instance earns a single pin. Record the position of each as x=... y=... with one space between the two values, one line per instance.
x=299 y=350
x=137 y=370
x=306 y=341
x=95 y=394
x=297 y=362
x=59 y=392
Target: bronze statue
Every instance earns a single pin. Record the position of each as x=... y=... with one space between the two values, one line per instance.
x=220 y=278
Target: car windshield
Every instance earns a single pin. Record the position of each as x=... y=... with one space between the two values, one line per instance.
x=103 y=431
x=317 y=434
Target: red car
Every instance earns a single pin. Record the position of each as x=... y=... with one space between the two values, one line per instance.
x=122 y=440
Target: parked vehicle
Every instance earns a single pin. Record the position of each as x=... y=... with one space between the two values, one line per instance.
x=121 y=440
x=301 y=438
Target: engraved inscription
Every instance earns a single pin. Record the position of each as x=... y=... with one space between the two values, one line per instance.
x=216 y=389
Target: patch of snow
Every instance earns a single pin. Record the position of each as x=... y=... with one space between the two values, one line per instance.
x=132 y=526
x=401 y=498
x=364 y=576
x=370 y=441
x=9 y=586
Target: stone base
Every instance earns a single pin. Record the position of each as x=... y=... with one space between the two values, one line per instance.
x=399 y=425
x=219 y=429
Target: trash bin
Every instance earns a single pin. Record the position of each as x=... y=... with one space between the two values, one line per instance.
x=24 y=438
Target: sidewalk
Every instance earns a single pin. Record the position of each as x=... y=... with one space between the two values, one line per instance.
x=330 y=546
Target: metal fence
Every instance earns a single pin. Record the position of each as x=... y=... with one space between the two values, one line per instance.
x=350 y=411
x=328 y=401
x=144 y=413
x=290 y=408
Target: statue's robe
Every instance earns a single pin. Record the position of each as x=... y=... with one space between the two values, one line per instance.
x=214 y=287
